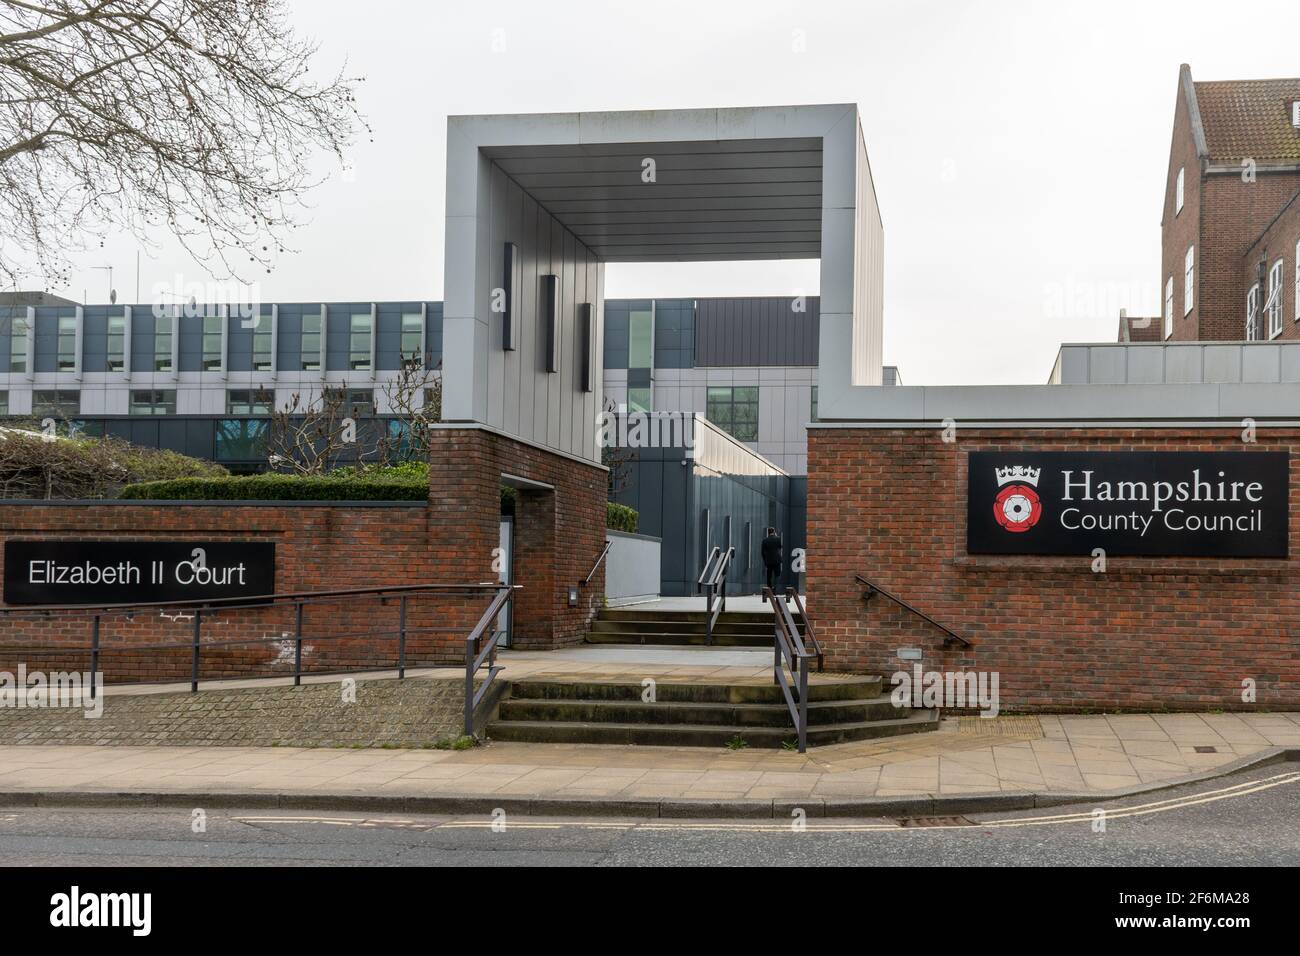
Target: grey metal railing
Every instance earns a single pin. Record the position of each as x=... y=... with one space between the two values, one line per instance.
x=480 y=648
x=809 y=634
x=714 y=582
x=595 y=567
x=950 y=636
x=790 y=653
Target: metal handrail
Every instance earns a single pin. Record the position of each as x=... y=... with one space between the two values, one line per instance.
x=789 y=651
x=716 y=588
x=707 y=574
x=478 y=649
x=603 y=551
x=793 y=595
x=298 y=600
x=950 y=637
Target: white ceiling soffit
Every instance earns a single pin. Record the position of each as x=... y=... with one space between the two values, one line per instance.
x=710 y=200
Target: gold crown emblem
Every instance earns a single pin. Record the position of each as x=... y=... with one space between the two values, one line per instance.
x=1018 y=473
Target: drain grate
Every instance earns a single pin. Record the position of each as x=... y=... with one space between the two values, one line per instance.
x=1206 y=750
x=1027 y=727
x=936 y=822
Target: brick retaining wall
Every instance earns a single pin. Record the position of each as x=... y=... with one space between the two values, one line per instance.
x=1149 y=633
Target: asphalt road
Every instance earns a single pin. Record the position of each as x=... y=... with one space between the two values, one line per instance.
x=1245 y=820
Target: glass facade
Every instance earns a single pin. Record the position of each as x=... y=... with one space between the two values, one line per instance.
x=56 y=403
x=212 y=351
x=359 y=329
x=263 y=357
x=153 y=401
x=734 y=409
x=250 y=401
x=67 y=343
x=162 y=345
x=311 y=339
x=115 y=354
x=241 y=439
x=640 y=340
x=413 y=337
x=18 y=346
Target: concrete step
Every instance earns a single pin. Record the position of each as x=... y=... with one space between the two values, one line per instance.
x=662 y=625
x=642 y=614
x=696 y=735
x=861 y=688
x=735 y=716
x=680 y=640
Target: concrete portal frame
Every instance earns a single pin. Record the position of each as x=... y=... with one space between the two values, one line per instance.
x=572 y=191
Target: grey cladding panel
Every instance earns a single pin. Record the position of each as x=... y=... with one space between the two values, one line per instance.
x=756 y=332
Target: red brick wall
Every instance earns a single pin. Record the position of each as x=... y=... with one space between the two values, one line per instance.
x=558 y=535
x=1181 y=229
x=1278 y=242
x=332 y=547
x=1146 y=634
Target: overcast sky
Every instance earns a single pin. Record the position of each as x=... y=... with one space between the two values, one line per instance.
x=1018 y=148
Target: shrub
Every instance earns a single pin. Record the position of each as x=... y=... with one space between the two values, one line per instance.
x=277 y=487
x=35 y=465
x=621 y=517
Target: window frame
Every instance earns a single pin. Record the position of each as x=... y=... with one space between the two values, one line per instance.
x=212 y=332
x=18 y=332
x=65 y=344
x=729 y=422
x=366 y=361
x=1189 y=279
x=1252 y=314
x=263 y=332
x=1273 y=303
x=648 y=317
x=309 y=358
x=1180 y=190
x=115 y=361
x=1169 y=307
x=162 y=358
x=1297 y=280
x=417 y=352
x=252 y=403
x=59 y=401
x=158 y=403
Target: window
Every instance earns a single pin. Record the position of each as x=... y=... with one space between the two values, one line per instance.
x=56 y=403
x=1189 y=274
x=263 y=361
x=115 y=356
x=1297 y=281
x=641 y=340
x=1169 y=307
x=813 y=413
x=242 y=439
x=250 y=401
x=413 y=337
x=639 y=400
x=1274 y=305
x=1252 y=313
x=153 y=401
x=4 y=403
x=356 y=402
x=1178 y=192
x=310 y=351
x=18 y=346
x=359 y=342
x=735 y=410
x=212 y=351
x=67 y=344
x=162 y=345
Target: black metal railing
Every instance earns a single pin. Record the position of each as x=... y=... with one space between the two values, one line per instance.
x=713 y=580
x=790 y=653
x=809 y=633
x=950 y=636
x=480 y=648
x=200 y=611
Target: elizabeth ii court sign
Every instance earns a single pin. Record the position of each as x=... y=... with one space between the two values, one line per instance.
x=1194 y=504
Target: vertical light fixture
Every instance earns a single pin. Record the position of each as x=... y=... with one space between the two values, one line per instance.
x=587 y=334
x=510 y=286
x=550 y=313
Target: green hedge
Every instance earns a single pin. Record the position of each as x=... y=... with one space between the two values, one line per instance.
x=621 y=517
x=275 y=487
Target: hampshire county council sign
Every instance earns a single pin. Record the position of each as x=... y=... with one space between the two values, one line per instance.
x=136 y=572
x=1197 y=504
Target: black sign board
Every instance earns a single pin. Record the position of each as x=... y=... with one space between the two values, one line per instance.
x=1198 y=504
x=136 y=572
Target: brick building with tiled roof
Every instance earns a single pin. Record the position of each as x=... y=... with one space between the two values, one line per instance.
x=1230 y=233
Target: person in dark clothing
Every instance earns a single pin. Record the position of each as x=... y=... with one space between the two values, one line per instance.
x=772 y=557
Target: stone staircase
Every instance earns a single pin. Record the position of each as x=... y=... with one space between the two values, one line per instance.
x=680 y=628
x=703 y=713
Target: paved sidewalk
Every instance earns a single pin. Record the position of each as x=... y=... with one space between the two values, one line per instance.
x=1078 y=757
